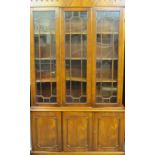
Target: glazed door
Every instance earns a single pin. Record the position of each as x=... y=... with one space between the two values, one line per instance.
x=107 y=57
x=76 y=57
x=45 y=57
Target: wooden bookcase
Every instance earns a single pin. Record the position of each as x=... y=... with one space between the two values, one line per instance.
x=77 y=70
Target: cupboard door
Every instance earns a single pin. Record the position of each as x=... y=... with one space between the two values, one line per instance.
x=108 y=131
x=76 y=64
x=46 y=56
x=46 y=131
x=106 y=56
x=77 y=131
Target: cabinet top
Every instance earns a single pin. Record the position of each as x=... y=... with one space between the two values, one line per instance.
x=77 y=3
x=82 y=109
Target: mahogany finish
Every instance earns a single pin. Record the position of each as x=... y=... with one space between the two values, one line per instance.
x=77 y=70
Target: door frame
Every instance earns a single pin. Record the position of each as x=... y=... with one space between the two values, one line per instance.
x=120 y=76
x=32 y=58
x=88 y=78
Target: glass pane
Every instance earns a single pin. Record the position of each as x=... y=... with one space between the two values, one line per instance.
x=107 y=23
x=45 y=70
x=106 y=92
x=46 y=92
x=75 y=45
x=116 y=46
x=45 y=45
x=104 y=46
x=44 y=21
x=75 y=22
x=75 y=56
x=45 y=56
x=115 y=69
x=76 y=69
x=75 y=92
x=104 y=70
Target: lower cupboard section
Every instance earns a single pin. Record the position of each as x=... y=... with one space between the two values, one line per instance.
x=77 y=131
x=46 y=131
x=76 y=153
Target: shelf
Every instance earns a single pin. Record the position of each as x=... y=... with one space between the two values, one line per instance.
x=75 y=33
x=45 y=58
x=46 y=80
x=76 y=79
x=75 y=58
x=65 y=59
x=109 y=88
x=44 y=33
x=107 y=33
x=106 y=58
x=105 y=80
x=106 y=109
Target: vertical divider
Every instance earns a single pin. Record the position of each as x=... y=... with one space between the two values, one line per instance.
x=93 y=131
x=121 y=58
x=70 y=56
x=93 y=56
x=89 y=53
x=113 y=45
x=101 y=68
x=32 y=64
x=51 y=65
x=58 y=58
x=62 y=145
x=40 y=71
x=81 y=59
x=62 y=43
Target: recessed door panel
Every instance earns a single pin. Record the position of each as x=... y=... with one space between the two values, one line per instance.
x=46 y=131
x=77 y=131
x=108 y=131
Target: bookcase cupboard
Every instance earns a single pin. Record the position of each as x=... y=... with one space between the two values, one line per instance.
x=77 y=70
